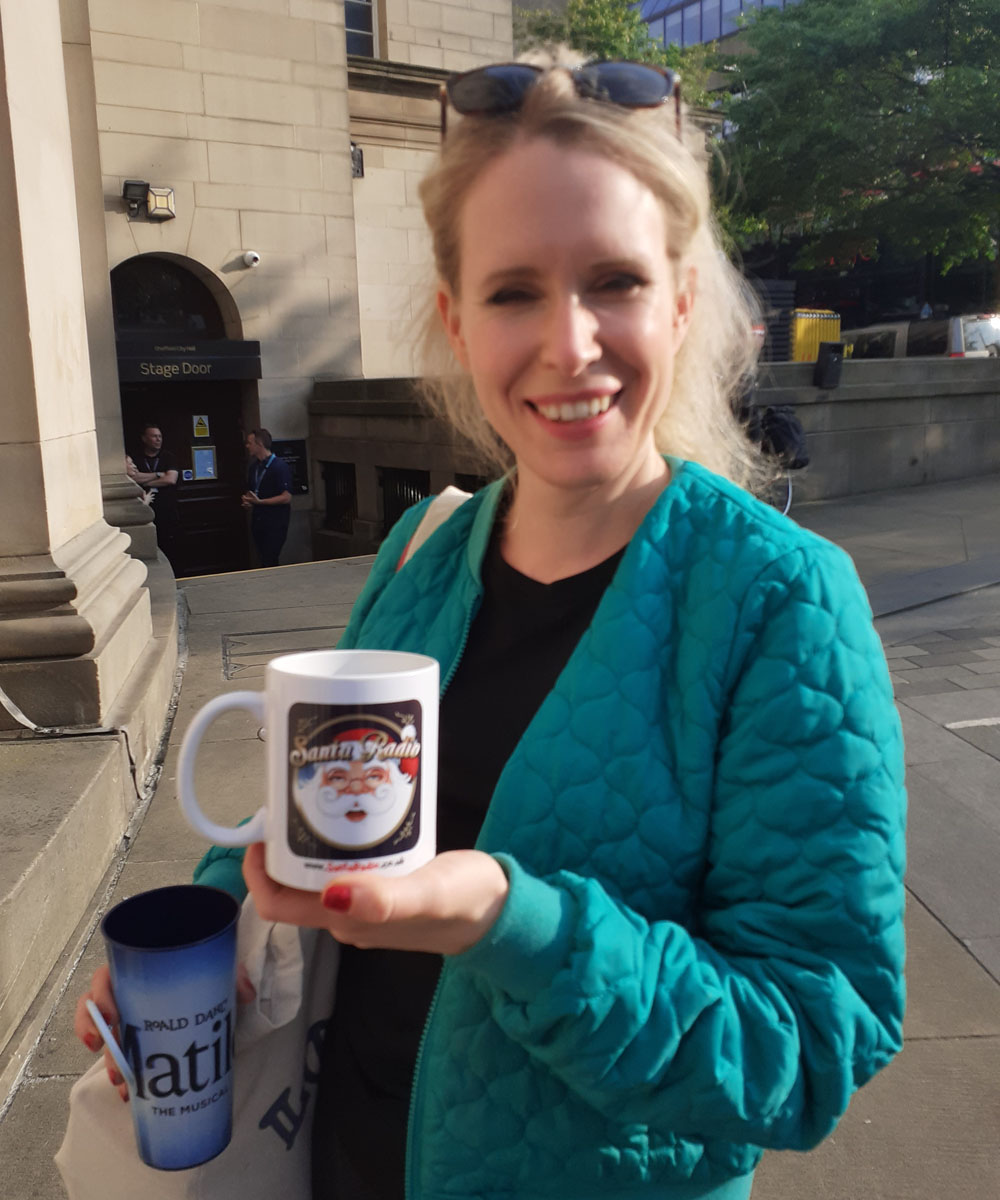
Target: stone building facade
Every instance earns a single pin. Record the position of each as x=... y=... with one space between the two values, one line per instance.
x=204 y=208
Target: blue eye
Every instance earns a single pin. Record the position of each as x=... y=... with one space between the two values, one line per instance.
x=307 y=772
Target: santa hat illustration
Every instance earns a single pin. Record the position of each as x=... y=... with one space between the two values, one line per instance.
x=360 y=742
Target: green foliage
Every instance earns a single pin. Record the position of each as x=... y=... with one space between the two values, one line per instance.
x=612 y=29
x=862 y=120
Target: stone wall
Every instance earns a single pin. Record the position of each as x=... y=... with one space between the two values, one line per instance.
x=241 y=108
x=888 y=425
x=892 y=423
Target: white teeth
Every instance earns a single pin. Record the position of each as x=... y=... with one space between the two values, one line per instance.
x=579 y=410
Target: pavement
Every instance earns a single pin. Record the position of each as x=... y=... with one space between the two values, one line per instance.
x=927 y=1127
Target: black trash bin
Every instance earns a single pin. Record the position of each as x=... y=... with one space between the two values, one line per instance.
x=829 y=361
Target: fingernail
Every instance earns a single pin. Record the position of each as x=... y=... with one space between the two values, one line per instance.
x=337 y=897
x=115 y=1078
x=92 y=1041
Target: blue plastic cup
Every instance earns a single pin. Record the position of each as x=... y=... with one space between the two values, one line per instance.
x=172 y=954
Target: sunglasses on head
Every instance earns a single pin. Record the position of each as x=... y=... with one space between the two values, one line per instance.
x=500 y=89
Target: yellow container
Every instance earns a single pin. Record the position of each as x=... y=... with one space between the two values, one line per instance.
x=810 y=326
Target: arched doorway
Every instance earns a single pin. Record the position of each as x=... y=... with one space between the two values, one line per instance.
x=182 y=366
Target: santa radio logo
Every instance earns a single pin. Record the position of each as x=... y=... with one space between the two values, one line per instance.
x=354 y=780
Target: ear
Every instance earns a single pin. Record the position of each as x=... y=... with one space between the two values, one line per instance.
x=448 y=310
x=687 y=286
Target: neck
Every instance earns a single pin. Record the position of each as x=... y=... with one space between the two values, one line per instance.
x=553 y=532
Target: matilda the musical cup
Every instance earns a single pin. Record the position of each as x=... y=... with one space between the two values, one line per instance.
x=172 y=955
x=351 y=740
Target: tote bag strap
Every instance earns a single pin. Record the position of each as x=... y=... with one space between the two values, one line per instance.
x=438 y=511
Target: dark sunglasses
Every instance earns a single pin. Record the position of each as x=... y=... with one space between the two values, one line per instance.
x=496 y=90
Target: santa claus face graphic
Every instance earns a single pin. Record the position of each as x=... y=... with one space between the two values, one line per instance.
x=357 y=801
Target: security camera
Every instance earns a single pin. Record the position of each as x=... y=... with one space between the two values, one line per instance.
x=251 y=258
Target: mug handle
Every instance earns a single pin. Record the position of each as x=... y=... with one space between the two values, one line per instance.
x=255 y=830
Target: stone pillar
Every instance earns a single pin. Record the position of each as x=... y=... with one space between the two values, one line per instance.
x=122 y=504
x=74 y=616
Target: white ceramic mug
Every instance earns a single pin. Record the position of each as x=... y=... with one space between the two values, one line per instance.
x=351 y=764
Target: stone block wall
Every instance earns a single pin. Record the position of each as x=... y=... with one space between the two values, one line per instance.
x=452 y=34
x=892 y=423
x=241 y=108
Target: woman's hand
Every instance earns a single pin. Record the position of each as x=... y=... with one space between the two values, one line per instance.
x=102 y=995
x=85 y=1029
x=444 y=907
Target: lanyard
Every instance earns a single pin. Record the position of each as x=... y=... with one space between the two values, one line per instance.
x=259 y=471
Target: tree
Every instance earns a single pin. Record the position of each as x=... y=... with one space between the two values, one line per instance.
x=854 y=122
x=613 y=29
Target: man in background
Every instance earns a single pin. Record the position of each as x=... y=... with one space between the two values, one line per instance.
x=155 y=471
x=269 y=497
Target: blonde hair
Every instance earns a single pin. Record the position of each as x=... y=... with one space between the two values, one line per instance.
x=715 y=361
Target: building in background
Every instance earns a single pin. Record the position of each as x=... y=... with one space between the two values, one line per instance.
x=688 y=22
x=206 y=206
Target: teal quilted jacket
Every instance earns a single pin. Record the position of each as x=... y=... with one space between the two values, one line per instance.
x=703 y=826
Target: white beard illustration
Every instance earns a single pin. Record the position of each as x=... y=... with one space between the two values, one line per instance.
x=353 y=817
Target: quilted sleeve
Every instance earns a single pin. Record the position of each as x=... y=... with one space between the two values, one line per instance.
x=757 y=1024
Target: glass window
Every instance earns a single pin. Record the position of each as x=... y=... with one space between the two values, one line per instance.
x=730 y=11
x=927 y=337
x=710 y=20
x=340 y=482
x=982 y=333
x=672 y=32
x=692 y=24
x=359 y=24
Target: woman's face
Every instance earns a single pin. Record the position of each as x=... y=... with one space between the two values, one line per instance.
x=567 y=315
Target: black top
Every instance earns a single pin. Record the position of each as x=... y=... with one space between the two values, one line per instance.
x=519 y=642
x=165 y=500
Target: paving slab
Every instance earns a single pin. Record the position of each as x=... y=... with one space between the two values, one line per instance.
x=924 y=740
x=952 y=861
x=30 y=1134
x=906 y=1135
x=230 y=785
x=987 y=952
x=972 y=778
x=949 y=991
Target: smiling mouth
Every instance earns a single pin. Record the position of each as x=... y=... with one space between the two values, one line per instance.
x=356 y=814
x=575 y=410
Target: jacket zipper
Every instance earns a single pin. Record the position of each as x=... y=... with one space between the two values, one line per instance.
x=411 y=1121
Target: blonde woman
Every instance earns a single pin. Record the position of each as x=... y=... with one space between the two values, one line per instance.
x=665 y=926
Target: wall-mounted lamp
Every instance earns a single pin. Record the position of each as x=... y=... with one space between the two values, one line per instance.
x=160 y=204
x=357 y=161
x=134 y=193
x=157 y=201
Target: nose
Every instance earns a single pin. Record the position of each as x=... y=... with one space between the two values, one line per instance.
x=356 y=787
x=571 y=336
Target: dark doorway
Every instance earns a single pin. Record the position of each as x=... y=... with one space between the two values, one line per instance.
x=212 y=536
x=180 y=371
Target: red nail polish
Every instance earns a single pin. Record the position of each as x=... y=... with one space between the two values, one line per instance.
x=92 y=1042
x=337 y=897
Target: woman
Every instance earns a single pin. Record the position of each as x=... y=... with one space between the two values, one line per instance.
x=667 y=725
